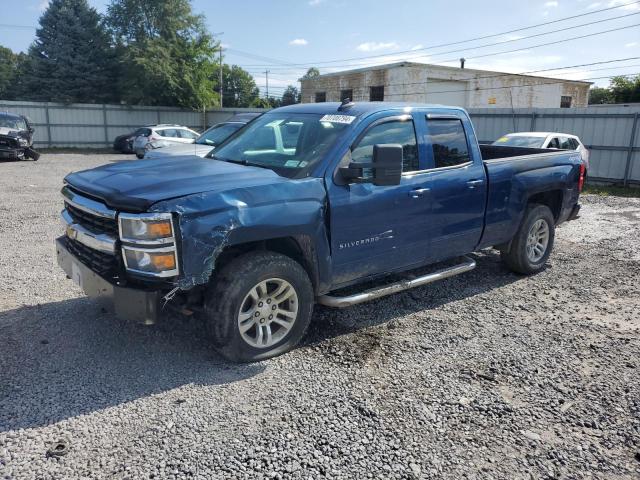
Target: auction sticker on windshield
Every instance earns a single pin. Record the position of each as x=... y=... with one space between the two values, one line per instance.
x=338 y=119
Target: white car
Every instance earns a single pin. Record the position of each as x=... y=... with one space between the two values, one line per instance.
x=209 y=140
x=561 y=141
x=158 y=136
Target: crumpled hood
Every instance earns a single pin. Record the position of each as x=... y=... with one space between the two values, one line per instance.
x=181 y=149
x=136 y=185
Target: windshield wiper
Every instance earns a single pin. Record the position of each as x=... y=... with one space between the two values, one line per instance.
x=241 y=162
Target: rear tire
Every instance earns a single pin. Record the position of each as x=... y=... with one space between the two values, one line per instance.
x=531 y=246
x=258 y=306
x=140 y=156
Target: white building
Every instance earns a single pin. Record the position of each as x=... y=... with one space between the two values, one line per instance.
x=417 y=82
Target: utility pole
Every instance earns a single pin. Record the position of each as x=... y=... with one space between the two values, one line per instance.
x=267 y=75
x=221 y=87
x=219 y=34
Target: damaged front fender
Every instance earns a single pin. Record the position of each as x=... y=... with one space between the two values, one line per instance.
x=211 y=221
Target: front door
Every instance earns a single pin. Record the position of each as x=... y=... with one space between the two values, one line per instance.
x=378 y=229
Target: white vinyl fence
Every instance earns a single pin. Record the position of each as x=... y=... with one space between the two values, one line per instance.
x=97 y=125
x=611 y=133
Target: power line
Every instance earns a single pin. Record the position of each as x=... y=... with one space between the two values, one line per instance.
x=465 y=41
x=7 y=25
x=524 y=48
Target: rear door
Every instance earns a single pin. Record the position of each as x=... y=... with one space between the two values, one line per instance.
x=379 y=229
x=457 y=186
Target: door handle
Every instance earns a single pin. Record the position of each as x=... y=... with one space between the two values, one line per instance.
x=473 y=183
x=418 y=192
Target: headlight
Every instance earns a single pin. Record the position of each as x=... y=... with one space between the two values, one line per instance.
x=159 y=262
x=23 y=142
x=148 y=244
x=146 y=229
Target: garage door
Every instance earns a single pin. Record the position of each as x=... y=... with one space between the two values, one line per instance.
x=447 y=93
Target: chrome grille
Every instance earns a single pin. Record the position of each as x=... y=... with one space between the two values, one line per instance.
x=92 y=222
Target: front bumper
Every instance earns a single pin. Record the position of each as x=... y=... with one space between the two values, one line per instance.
x=128 y=303
x=13 y=153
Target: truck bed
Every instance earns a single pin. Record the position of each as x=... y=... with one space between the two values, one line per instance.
x=517 y=174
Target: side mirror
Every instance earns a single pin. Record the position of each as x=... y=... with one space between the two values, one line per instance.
x=386 y=167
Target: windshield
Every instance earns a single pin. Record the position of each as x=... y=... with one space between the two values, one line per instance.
x=287 y=143
x=520 y=141
x=13 y=123
x=218 y=134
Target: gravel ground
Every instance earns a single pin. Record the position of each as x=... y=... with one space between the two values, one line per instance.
x=486 y=375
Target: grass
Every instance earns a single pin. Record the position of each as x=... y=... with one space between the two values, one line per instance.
x=612 y=191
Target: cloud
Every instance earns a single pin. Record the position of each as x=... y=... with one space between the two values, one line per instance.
x=594 y=5
x=512 y=37
x=631 y=44
x=417 y=47
x=616 y=3
x=551 y=4
x=41 y=6
x=299 y=42
x=314 y=3
x=375 y=46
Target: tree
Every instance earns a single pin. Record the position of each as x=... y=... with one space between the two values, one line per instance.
x=238 y=86
x=290 y=96
x=621 y=90
x=625 y=89
x=313 y=72
x=167 y=55
x=599 y=95
x=71 y=59
x=137 y=21
x=10 y=65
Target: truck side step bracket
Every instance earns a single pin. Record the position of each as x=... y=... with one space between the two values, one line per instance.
x=341 y=302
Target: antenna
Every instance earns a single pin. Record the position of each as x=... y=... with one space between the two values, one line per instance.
x=346 y=103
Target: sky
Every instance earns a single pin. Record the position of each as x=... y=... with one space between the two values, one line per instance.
x=288 y=36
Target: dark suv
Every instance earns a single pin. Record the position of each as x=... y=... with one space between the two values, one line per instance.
x=16 y=137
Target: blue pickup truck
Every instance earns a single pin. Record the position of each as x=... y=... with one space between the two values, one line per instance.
x=301 y=203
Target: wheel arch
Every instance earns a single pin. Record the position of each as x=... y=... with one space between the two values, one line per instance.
x=550 y=198
x=299 y=248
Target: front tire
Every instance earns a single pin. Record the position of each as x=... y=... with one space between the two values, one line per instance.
x=533 y=242
x=140 y=156
x=258 y=306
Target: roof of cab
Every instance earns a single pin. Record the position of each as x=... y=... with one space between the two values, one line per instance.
x=357 y=108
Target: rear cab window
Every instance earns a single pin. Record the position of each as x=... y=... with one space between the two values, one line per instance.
x=447 y=142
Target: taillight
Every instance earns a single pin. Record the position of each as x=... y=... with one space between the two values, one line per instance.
x=583 y=169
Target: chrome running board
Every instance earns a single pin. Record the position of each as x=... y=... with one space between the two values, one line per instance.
x=341 y=302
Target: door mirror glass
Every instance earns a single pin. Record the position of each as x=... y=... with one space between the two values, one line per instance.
x=385 y=167
x=387 y=164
